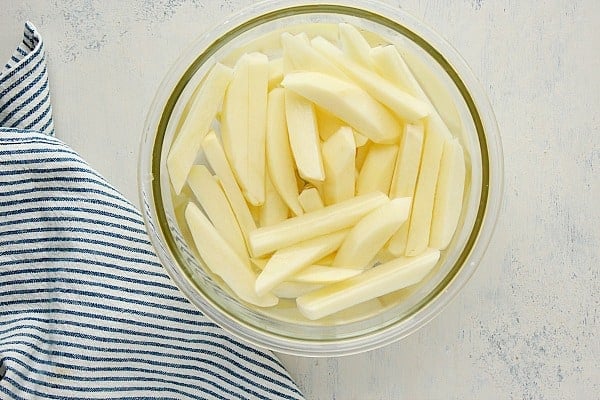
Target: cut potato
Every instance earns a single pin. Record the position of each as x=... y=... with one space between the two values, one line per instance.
x=216 y=158
x=358 y=312
x=408 y=162
x=339 y=154
x=355 y=46
x=287 y=261
x=223 y=261
x=244 y=121
x=181 y=157
x=304 y=136
x=211 y=197
x=317 y=223
x=393 y=67
x=300 y=56
x=405 y=106
x=436 y=135
x=397 y=244
x=196 y=125
x=280 y=161
x=310 y=199
x=327 y=123
x=275 y=72
x=378 y=281
x=346 y=101
x=448 y=195
x=377 y=170
x=371 y=233
x=323 y=274
x=404 y=180
x=292 y=290
x=274 y=209
x=436 y=90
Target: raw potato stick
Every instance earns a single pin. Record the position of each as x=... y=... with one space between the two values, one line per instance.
x=397 y=244
x=323 y=275
x=355 y=46
x=214 y=202
x=448 y=195
x=371 y=233
x=304 y=136
x=196 y=125
x=300 y=56
x=223 y=261
x=317 y=223
x=393 y=67
x=310 y=199
x=275 y=72
x=436 y=91
x=436 y=135
x=327 y=123
x=377 y=170
x=274 y=209
x=292 y=290
x=378 y=281
x=404 y=180
x=339 y=155
x=280 y=161
x=243 y=127
x=404 y=106
x=218 y=161
x=408 y=162
x=287 y=261
x=181 y=157
x=348 y=102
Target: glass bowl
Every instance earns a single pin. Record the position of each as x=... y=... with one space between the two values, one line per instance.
x=463 y=106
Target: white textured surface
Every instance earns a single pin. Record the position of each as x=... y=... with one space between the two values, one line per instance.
x=527 y=325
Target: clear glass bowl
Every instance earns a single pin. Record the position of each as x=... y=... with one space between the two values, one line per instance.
x=361 y=328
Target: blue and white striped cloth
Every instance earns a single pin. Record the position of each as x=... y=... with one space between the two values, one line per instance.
x=86 y=310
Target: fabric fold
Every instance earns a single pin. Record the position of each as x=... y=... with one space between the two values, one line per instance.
x=24 y=89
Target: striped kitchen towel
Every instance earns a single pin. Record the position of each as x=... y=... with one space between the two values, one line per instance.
x=86 y=310
x=24 y=91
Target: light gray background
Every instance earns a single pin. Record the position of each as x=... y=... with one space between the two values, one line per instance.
x=526 y=325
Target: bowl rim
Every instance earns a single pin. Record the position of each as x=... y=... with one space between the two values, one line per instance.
x=483 y=119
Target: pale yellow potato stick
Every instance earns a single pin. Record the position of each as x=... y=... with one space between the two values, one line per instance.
x=304 y=136
x=404 y=106
x=244 y=121
x=371 y=233
x=317 y=223
x=448 y=195
x=222 y=260
x=348 y=102
x=218 y=161
x=211 y=197
x=383 y=279
x=196 y=125
x=339 y=155
x=287 y=261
